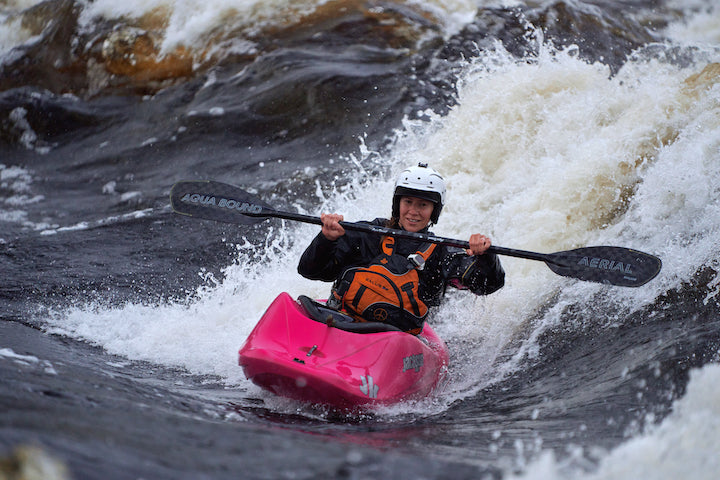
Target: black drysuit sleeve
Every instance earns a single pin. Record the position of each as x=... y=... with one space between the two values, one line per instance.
x=481 y=274
x=325 y=259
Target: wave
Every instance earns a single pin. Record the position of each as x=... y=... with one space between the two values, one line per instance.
x=101 y=47
x=544 y=152
x=547 y=154
x=683 y=444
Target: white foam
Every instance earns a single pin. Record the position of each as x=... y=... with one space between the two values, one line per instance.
x=12 y=32
x=28 y=137
x=684 y=445
x=545 y=154
x=542 y=155
x=204 y=335
x=191 y=22
x=14 y=178
x=701 y=22
x=27 y=360
x=46 y=229
x=15 y=192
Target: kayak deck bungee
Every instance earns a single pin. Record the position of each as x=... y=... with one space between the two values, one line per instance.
x=306 y=351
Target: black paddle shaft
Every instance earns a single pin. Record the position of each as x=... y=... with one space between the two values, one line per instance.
x=603 y=264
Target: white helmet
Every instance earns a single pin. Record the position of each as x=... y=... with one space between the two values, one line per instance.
x=421 y=182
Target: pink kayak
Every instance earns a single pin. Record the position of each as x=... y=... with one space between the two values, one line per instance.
x=306 y=351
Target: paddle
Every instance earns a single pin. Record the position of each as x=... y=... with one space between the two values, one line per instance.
x=226 y=203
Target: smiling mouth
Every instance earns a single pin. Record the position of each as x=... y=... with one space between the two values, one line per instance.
x=413 y=222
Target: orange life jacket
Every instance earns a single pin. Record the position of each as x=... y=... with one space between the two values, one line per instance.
x=386 y=290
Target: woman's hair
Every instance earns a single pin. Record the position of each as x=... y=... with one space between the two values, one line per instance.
x=392 y=222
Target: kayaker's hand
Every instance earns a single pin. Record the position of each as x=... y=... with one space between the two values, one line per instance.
x=478 y=244
x=331 y=227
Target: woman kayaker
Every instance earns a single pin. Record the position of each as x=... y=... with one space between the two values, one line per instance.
x=395 y=280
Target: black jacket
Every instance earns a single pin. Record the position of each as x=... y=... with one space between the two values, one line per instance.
x=326 y=260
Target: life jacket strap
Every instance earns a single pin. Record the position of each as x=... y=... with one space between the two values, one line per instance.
x=388 y=248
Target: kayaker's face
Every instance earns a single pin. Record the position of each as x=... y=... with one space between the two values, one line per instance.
x=415 y=213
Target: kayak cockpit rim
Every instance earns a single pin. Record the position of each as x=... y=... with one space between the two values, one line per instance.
x=333 y=318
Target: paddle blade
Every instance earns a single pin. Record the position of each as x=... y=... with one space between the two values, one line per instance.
x=619 y=266
x=218 y=201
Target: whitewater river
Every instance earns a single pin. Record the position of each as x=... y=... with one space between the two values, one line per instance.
x=557 y=125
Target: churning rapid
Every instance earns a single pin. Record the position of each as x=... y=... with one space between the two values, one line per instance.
x=557 y=124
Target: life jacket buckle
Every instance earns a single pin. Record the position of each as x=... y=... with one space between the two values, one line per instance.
x=333 y=303
x=417 y=260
